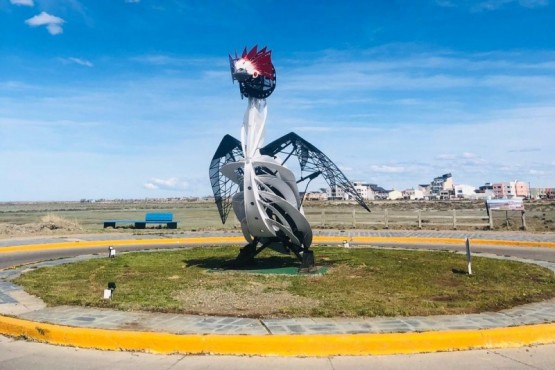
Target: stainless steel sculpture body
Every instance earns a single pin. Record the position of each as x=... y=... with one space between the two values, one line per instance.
x=252 y=179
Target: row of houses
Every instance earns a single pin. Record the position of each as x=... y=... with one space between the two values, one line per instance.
x=441 y=187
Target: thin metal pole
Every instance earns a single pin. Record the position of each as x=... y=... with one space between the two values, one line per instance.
x=468 y=256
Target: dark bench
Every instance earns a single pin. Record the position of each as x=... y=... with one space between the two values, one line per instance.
x=150 y=218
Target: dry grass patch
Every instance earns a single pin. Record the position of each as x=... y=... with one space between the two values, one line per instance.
x=47 y=224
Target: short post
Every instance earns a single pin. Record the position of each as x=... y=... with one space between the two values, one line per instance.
x=455 y=219
x=468 y=256
x=111 y=252
x=108 y=293
x=523 y=219
x=346 y=244
x=490 y=216
x=419 y=219
x=507 y=219
x=323 y=217
x=354 y=219
x=385 y=219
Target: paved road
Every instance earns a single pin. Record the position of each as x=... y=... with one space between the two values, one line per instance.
x=16 y=354
x=538 y=254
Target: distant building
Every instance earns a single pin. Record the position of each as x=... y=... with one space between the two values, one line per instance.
x=379 y=192
x=425 y=189
x=316 y=196
x=442 y=187
x=464 y=191
x=394 y=195
x=484 y=192
x=364 y=190
x=511 y=189
x=336 y=193
x=413 y=194
x=361 y=187
x=542 y=193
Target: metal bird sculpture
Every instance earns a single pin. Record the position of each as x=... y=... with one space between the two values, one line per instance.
x=250 y=177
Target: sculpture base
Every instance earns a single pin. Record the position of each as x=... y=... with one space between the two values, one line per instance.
x=245 y=257
x=307 y=263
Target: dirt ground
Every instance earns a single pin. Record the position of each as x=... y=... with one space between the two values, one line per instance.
x=253 y=299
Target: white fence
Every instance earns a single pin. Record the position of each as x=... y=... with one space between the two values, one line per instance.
x=420 y=219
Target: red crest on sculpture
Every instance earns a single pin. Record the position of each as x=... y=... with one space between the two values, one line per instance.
x=261 y=60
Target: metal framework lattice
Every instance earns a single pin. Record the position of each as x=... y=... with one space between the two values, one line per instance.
x=312 y=161
x=228 y=151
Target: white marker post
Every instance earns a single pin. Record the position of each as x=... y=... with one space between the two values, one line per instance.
x=111 y=252
x=468 y=257
x=108 y=293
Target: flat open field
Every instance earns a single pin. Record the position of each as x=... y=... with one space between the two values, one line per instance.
x=25 y=219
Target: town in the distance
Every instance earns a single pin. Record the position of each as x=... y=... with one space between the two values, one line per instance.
x=440 y=188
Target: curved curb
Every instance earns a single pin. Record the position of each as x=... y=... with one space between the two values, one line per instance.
x=280 y=345
x=241 y=240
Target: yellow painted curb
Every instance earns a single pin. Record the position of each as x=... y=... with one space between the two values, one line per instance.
x=241 y=240
x=280 y=345
x=127 y=242
x=428 y=240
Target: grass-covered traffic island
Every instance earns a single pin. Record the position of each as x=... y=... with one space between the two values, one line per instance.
x=358 y=282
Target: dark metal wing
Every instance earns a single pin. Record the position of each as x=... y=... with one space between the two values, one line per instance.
x=228 y=151
x=312 y=160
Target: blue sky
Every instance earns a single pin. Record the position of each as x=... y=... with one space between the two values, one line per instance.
x=130 y=98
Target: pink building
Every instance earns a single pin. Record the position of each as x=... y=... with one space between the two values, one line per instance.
x=511 y=189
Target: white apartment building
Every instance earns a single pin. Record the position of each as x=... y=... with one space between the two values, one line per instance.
x=395 y=195
x=465 y=191
x=442 y=187
x=364 y=189
x=413 y=194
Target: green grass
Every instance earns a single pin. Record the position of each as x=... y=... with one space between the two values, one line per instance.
x=359 y=282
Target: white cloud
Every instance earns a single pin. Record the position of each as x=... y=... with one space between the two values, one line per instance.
x=52 y=23
x=446 y=157
x=387 y=169
x=166 y=184
x=498 y=4
x=537 y=172
x=132 y=1
x=23 y=2
x=79 y=61
x=445 y=3
x=533 y=3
